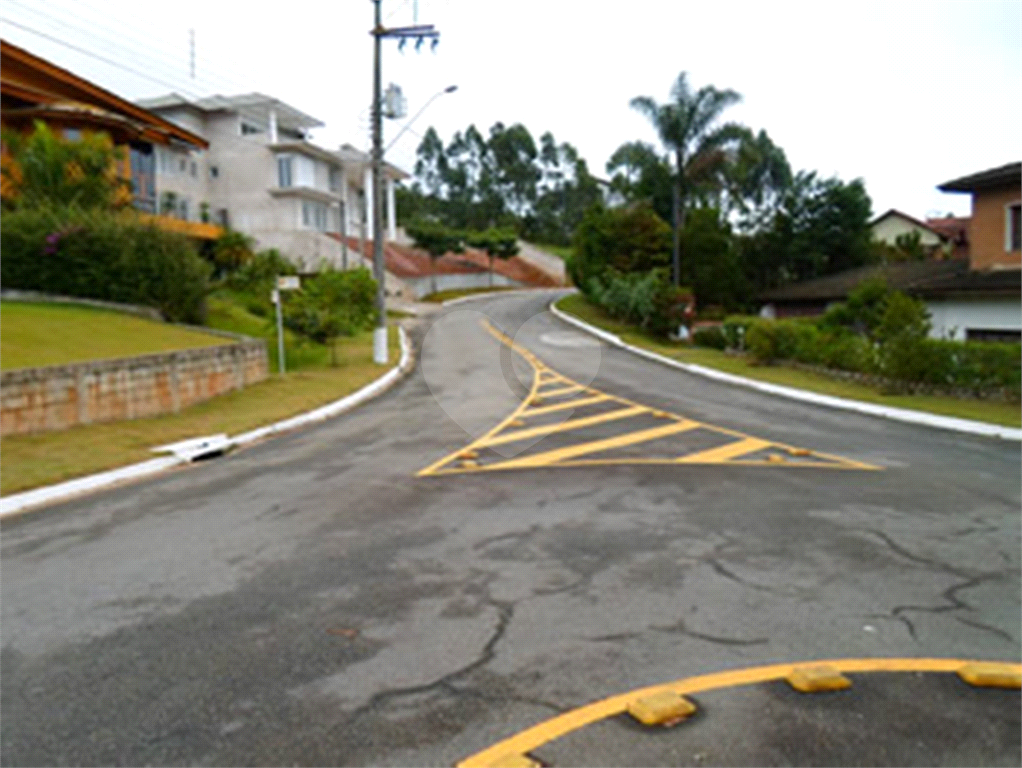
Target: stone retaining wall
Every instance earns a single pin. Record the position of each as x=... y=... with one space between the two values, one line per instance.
x=61 y=396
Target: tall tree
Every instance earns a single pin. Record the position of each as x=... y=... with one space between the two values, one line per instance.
x=757 y=179
x=688 y=126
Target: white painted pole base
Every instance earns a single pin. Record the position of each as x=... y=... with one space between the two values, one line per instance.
x=380 y=346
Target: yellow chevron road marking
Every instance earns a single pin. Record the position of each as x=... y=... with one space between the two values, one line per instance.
x=564 y=426
x=595 y=446
x=548 y=383
x=725 y=452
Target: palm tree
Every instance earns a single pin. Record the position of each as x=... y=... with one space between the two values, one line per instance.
x=688 y=127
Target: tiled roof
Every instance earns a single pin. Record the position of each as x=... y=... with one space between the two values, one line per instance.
x=929 y=279
x=1004 y=175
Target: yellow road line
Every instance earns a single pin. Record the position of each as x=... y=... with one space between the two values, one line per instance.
x=725 y=452
x=554 y=728
x=579 y=403
x=564 y=426
x=544 y=376
x=435 y=466
x=561 y=391
x=619 y=441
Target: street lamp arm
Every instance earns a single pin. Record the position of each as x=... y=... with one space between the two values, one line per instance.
x=406 y=126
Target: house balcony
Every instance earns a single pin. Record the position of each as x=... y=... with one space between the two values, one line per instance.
x=197 y=229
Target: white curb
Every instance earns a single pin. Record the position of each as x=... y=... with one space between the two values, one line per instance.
x=20 y=502
x=829 y=401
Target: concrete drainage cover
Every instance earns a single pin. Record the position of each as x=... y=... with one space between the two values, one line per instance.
x=569 y=339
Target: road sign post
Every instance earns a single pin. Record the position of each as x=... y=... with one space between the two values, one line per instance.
x=284 y=283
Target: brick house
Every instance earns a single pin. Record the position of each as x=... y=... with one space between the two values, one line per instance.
x=995 y=231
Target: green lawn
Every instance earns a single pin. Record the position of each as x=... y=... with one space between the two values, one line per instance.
x=562 y=252
x=1006 y=414
x=34 y=460
x=34 y=335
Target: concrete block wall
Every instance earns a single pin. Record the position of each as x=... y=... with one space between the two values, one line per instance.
x=62 y=396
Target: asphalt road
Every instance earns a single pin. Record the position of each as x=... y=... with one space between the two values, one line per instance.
x=312 y=600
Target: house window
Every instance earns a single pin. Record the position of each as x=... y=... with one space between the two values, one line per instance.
x=335 y=180
x=284 y=167
x=247 y=129
x=314 y=215
x=223 y=218
x=182 y=209
x=214 y=172
x=993 y=334
x=182 y=165
x=195 y=169
x=72 y=134
x=305 y=172
x=1013 y=228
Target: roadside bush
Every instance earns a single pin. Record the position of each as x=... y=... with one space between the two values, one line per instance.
x=709 y=336
x=648 y=300
x=735 y=327
x=103 y=255
x=332 y=304
x=845 y=351
x=260 y=271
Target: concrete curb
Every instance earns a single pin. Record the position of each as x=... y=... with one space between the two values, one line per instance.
x=22 y=502
x=966 y=426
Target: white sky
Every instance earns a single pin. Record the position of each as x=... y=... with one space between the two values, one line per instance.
x=905 y=95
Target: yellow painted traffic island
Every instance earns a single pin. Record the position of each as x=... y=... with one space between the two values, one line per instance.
x=898 y=711
x=561 y=423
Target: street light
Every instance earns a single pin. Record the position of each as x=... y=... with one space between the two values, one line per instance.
x=406 y=126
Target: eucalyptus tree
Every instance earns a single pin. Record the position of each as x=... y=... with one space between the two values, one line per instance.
x=757 y=180
x=689 y=127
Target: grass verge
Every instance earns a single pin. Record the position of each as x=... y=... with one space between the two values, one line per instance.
x=34 y=460
x=41 y=334
x=1006 y=414
x=563 y=252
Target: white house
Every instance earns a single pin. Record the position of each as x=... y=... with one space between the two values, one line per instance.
x=263 y=176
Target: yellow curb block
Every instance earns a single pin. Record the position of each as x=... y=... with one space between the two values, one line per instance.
x=818 y=679
x=992 y=675
x=542 y=733
x=664 y=708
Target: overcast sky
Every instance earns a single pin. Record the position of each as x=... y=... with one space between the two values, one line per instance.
x=904 y=95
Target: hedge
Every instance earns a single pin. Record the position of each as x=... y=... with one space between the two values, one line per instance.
x=103 y=255
x=904 y=359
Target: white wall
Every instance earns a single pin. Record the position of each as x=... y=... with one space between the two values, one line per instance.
x=888 y=230
x=951 y=318
x=423 y=286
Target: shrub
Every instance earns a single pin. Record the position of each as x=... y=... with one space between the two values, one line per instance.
x=735 y=328
x=845 y=351
x=709 y=336
x=332 y=304
x=259 y=273
x=103 y=255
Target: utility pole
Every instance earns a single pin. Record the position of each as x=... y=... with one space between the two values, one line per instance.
x=379 y=268
x=421 y=32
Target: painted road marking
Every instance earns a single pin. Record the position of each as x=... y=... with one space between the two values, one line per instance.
x=595 y=446
x=564 y=426
x=556 y=727
x=573 y=396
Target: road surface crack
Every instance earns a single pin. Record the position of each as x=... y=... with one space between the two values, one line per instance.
x=505 y=612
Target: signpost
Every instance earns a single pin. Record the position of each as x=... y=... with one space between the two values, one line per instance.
x=284 y=283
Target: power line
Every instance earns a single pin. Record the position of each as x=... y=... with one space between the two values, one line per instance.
x=173 y=87
x=152 y=49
